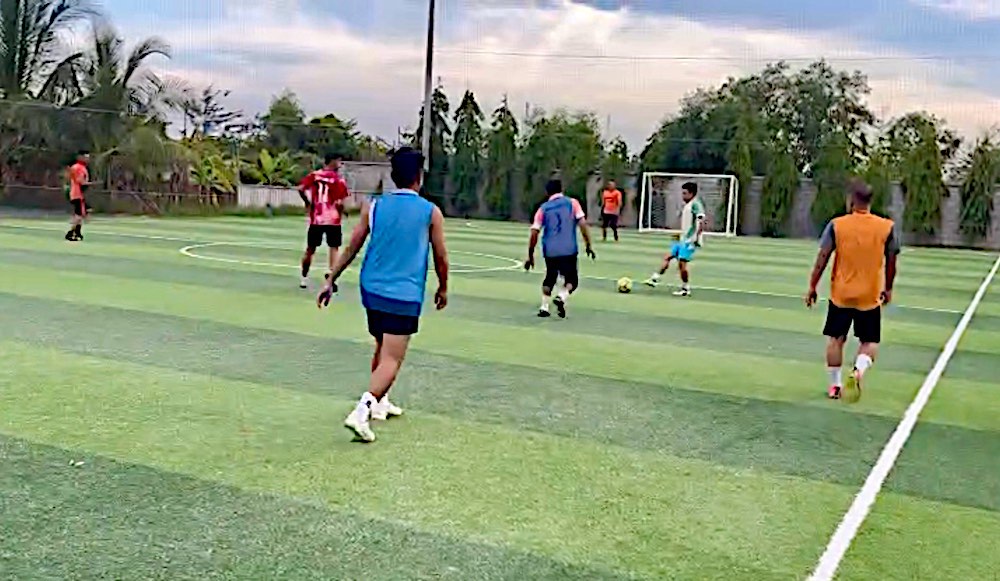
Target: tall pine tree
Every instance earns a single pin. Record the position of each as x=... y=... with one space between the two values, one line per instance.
x=469 y=145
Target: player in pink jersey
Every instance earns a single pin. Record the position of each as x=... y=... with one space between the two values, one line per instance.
x=323 y=192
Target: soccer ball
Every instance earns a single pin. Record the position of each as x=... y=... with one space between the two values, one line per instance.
x=624 y=285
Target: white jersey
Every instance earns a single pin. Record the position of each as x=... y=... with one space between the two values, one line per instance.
x=691 y=215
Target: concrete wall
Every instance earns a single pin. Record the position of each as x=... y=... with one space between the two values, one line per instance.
x=800 y=221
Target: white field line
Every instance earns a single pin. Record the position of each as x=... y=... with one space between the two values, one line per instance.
x=189 y=251
x=855 y=516
x=781 y=295
x=514 y=266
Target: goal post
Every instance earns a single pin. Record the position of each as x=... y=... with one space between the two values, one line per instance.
x=661 y=202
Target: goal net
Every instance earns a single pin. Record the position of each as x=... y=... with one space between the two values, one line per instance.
x=661 y=202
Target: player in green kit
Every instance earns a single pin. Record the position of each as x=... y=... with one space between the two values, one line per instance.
x=692 y=234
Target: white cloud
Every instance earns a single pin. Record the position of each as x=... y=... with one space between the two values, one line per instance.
x=260 y=48
x=970 y=9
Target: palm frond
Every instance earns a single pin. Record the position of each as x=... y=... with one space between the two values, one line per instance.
x=149 y=47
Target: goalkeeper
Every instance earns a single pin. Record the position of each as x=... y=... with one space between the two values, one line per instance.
x=692 y=235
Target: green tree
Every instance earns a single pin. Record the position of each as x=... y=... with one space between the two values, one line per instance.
x=469 y=145
x=831 y=174
x=273 y=170
x=284 y=124
x=31 y=33
x=206 y=115
x=828 y=105
x=803 y=107
x=119 y=91
x=501 y=161
x=779 y=189
x=330 y=134
x=919 y=146
x=981 y=175
x=560 y=144
x=434 y=186
x=878 y=175
x=617 y=165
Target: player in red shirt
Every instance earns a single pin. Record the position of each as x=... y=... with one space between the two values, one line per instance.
x=323 y=192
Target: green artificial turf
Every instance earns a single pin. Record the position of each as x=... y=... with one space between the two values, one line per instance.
x=644 y=437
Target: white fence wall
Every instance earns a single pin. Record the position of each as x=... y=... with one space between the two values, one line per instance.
x=363 y=180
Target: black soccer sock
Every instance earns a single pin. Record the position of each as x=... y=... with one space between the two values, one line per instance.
x=78 y=230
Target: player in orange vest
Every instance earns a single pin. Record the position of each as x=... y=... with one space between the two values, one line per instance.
x=865 y=248
x=611 y=208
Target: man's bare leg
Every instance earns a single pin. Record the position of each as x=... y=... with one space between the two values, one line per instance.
x=655 y=279
x=307 y=259
x=834 y=363
x=685 y=278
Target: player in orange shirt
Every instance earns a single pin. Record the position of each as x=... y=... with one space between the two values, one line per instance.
x=865 y=248
x=79 y=178
x=611 y=207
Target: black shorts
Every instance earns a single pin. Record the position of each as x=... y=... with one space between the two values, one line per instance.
x=381 y=323
x=867 y=324
x=609 y=221
x=565 y=266
x=77 y=207
x=334 y=236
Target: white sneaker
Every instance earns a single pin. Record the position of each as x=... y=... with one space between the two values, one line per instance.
x=684 y=292
x=304 y=283
x=385 y=409
x=358 y=423
x=651 y=282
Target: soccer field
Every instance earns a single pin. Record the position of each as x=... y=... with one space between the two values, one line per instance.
x=171 y=408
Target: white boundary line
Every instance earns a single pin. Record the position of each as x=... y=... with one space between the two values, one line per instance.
x=515 y=266
x=468 y=268
x=851 y=523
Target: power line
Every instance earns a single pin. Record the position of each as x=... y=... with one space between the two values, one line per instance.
x=710 y=58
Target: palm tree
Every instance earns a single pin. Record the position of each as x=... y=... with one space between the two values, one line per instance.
x=33 y=60
x=118 y=92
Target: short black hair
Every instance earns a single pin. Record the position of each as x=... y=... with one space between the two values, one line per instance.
x=332 y=156
x=553 y=187
x=860 y=191
x=691 y=188
x=407 y=163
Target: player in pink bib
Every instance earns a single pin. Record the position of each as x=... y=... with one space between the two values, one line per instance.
x=323 y=192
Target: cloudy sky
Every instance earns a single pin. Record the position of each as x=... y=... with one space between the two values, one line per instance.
x=629 y=61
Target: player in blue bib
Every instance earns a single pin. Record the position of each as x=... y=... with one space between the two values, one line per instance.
x=557 y=221
x=402 y=229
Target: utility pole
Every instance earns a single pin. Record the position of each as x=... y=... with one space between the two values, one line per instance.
x=425 y=146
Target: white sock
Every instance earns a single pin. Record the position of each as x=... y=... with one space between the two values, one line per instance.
x=655 y=277
x=564 y=295
x=835 y=376
x=685 y=286
x=862 y=363
x=545 y=302
x=365 y=404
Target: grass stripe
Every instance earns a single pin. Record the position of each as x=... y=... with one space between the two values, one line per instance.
x=59 y=522
x=643 y=513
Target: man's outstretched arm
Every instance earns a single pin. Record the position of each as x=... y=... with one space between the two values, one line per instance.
x=358 y=237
